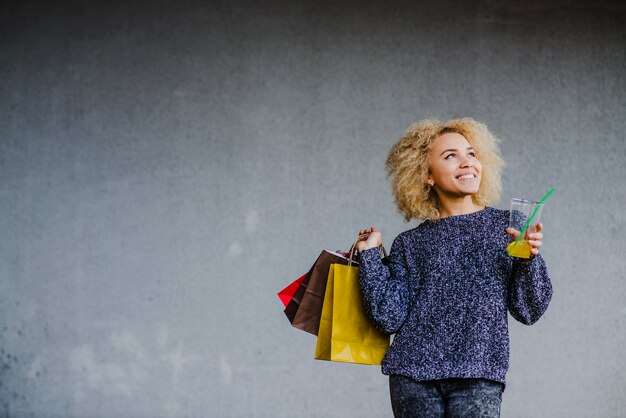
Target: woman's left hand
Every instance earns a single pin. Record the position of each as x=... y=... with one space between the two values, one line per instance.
x=533 y=237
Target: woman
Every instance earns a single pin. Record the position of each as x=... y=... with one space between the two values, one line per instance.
x=449 y=282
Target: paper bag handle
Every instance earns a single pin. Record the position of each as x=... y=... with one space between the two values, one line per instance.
x=381 y=249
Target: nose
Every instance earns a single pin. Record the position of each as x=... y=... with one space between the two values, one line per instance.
x=466 y=162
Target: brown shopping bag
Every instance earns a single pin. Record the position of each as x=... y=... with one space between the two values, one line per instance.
x=309 y=305
x=294 y=303
x=346 y=332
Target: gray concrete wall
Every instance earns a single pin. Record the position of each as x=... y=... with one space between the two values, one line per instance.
x=167 y=167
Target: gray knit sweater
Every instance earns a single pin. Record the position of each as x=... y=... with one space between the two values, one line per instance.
x=445 y=292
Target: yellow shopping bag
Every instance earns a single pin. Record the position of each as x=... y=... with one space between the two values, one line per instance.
x=346 y=333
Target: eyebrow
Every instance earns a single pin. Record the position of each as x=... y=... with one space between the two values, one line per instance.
x=454 y=149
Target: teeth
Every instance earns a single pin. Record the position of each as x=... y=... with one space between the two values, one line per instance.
x=466 y=176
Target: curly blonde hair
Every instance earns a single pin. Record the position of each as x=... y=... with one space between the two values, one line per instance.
x=407 y=165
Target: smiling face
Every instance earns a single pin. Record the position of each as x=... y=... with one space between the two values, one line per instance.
x=454 y=169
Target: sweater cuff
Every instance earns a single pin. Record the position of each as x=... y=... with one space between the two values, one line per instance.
x=369 y=257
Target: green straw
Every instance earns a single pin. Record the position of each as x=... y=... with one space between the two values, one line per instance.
x=521 y=234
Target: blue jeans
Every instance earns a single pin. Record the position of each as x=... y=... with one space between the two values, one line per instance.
x=445 y=398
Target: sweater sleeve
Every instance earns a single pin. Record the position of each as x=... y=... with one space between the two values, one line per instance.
x=530 y=290
x=385 y=287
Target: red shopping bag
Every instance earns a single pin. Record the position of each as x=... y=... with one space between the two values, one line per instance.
x=287 y=293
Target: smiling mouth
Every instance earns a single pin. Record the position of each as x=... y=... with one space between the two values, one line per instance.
x=466 y=177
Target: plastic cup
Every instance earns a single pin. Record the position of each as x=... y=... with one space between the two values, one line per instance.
x=521 y=210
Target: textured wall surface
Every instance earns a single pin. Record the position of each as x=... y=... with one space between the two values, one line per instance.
x=166 y=167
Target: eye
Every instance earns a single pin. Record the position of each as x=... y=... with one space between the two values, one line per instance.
x=472 y=153
x=447 y=156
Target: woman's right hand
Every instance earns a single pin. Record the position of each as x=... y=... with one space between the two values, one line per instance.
x=369 y=238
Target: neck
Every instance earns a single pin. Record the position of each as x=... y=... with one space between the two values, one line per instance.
x=457 y=206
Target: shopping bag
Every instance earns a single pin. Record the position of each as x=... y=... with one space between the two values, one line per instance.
x=346 y=332
x=309 y=310
x=287 y=293
x=294 y=304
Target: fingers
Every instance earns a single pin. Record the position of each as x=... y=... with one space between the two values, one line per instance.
x=536 y=234
x=365 y=233
x=534 y=238
x=512 y=231
x=368 y=238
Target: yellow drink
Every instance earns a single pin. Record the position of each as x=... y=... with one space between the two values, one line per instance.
x=521 y=249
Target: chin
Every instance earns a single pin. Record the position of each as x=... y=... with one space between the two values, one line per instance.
x=469 y=192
